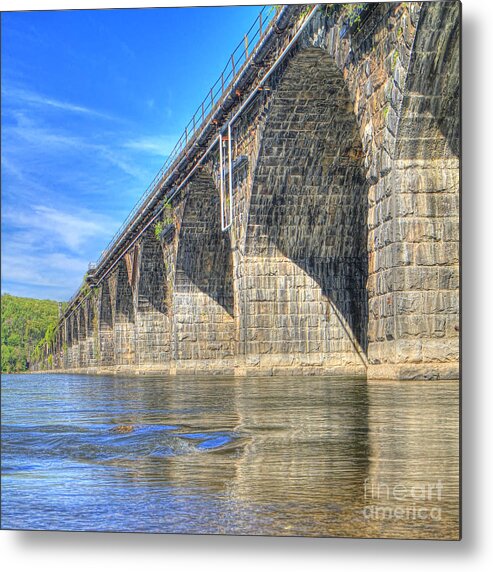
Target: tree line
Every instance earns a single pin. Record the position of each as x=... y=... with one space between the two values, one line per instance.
x=25 y=323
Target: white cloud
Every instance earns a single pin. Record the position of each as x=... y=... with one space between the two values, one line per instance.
x=33 y=98
x=57 y=173
x=27 y=138
x=154 y=145
x=47 y=275
x=47 y=250
x=44 y=225
x=43 y=270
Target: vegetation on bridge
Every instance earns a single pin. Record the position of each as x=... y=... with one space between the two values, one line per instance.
x=167 y=219
x=26 y=323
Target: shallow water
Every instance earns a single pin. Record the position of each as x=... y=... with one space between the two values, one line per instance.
x=280 y=456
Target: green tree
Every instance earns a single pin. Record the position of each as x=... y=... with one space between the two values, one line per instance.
x=25 y=322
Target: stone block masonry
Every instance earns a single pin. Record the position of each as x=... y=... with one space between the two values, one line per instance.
x=343 y=253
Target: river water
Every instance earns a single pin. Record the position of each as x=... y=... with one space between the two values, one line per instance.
x=276 y=456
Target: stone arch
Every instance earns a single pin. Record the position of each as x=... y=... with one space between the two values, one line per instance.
x=151 y=286
x=303 y=282
x=203 y=322
x=74 y=350
x=105 y=306
x=91 y=325
x=64 y=343
x=56 y=350
x=68 y=331
x=105 y=340
x=151 y=298
x=429 y=126
x=82 y=335
x=82 y=322
x=90 y=314
x=123 y=314
x=421 y=337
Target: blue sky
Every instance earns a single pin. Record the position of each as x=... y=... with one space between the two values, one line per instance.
x=92 y=103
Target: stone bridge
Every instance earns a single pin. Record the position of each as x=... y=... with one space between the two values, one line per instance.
x=310 y=224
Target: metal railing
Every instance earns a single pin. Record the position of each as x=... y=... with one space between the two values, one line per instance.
x=271 y=19
x=233 y=68
x=237 y=61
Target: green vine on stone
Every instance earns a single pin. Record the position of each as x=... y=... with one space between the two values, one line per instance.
x=167 y=212
x=353 y=13
x=158 y=229
x=167 y=220
x=395 y=57
x=308 y=8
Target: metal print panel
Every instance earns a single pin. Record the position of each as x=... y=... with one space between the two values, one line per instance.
x=269 y=343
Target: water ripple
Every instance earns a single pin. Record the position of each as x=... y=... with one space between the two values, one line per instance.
x=285 y=456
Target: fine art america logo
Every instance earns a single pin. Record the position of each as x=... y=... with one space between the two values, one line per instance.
x=384 y=501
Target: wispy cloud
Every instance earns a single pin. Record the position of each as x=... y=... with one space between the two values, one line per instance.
x=31 y=97
x=50 y=140
x=67 y=185
x=43 y=225
x=154 y=145
x=45 y=270
x=24 y=128
x=49 y=248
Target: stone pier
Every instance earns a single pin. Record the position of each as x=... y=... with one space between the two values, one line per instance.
x=341 y=252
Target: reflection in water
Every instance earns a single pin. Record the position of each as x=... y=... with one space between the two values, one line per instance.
x=282 y=456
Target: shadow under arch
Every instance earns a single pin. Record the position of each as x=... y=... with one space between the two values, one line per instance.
x=105 y=348
x=429 y=126
x=121 y=294
x=76 y=341
x=203 y=279
x=151 y=277
x=91 y=325
x=151 y=293
x=105 y=307
x=426 y=194
x=90 y=316
x=82 y=324
x=307 y=228
x=123 y=315
x=204 y=252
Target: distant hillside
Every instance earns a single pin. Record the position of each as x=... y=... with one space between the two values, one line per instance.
x=24 y=324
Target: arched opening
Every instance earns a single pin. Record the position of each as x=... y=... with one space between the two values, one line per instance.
x=152 y=313
x=124 y=315
x=82 y=336
x=203 y=323
x=82 y=322
x=68 y=331
x=303 y=284
x=105 y=342
x=74 y=351
x=91 y=330
x=65 y=343
x=426 y=180
x=429 y=127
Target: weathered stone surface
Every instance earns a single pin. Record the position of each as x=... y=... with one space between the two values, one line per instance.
x=343 y=253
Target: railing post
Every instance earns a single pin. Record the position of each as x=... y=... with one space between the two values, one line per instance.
x=198 y=118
